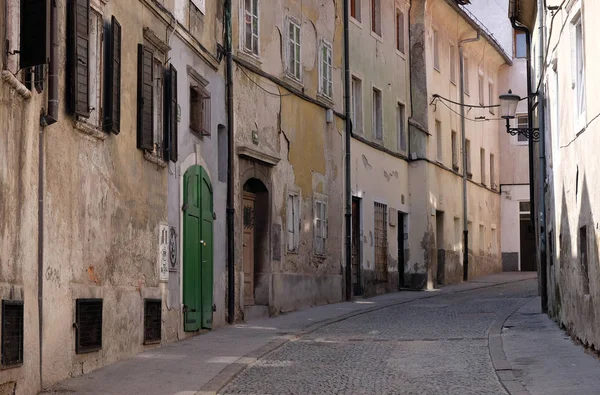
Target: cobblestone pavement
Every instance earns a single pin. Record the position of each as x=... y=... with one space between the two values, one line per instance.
x=430 y=346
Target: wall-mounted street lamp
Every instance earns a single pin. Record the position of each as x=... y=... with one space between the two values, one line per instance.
x=508 y=109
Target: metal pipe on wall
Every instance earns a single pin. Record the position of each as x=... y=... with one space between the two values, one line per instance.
x=464 y=156
x=230 y=175
x=347 y=136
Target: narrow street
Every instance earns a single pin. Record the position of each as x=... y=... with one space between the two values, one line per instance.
x=482 y=337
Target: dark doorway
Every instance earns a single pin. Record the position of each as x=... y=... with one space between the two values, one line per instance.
x=527 y=238
x=402 y=234
x=439 y=240
x=356 y=250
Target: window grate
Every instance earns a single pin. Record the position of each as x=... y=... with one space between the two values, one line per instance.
x=12 y=333
x=88 y=325
x=381 y=242
x=152 y=320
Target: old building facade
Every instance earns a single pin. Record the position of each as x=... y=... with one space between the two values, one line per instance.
x=438 y=33
x=379 y=171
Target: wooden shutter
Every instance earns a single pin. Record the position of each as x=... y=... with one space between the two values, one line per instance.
x=34 y=46
x=205 y=113
x=173 y=111
x=79 y=61
x=112 y=98
x=145 y=127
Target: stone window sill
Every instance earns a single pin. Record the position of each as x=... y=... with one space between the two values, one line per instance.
x=153 y=158
x=90 y=130
x=326 y=100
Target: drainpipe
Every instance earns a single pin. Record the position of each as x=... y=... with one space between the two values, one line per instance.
x=542 y=163
x=230 y=178
x=529 y=118
x=464 y=156
x=347 y=135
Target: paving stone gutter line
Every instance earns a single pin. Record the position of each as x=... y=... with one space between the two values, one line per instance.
x=502 y=367
x=501 y=364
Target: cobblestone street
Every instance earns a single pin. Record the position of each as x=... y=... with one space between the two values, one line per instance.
x=432 y=346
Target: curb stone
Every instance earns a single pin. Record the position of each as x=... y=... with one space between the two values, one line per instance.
x=502 y=367
x=219 y=382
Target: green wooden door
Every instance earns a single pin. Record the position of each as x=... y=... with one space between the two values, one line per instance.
x=206 y=249
x=191 y=249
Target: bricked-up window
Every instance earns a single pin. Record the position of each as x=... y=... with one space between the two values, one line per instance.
x=376 y=17
x=293 y=222
x=583 y=259
x=381 y=242
x=251 y=26
x=492 y=172
x=79 y=57
x=34 y=38
x=377 y=114
x=436 y=50
x=400 y=119
x=355 y=6
x=326 y=70
x=199 y=110
x=357 y=113
x=491 y=96
x=320 y=226
x=112 y=98
x=482 y=167
x=454 y=151
x=88 y=325
x=12 y=333
x=439 y=141
x=466 y=74
x=152 y=320
x=480 y=86
x=294 y=65
x=400 y=31
x=452 y=64
x=468 y=157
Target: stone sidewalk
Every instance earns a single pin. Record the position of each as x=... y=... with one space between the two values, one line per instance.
x=207 y=362
x=544 y=359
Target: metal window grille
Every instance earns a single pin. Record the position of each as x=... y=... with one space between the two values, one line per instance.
x=380 y=242
x=12 y=333
x=152 y=320
x=88 y=325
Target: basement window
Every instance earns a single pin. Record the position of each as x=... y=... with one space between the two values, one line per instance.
x=88 y=325
x=152 y=321
x=12 y=333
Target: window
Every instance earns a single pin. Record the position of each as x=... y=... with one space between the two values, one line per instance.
x=251 y=26
x=400 y=127
x=357 y=114
x=436 y=50
x=438 y=140
x=377 y=114
x=522 y=122
x=452 y=64
x=471 y=236
x=79 y=48
x=492 y=172
x=481 y=239
x=520 y=44
x=199 y=110
x=326 y=78
x=112 y=97
x=355 y=6
x=157 y=108
x=320 y=227
x=293 y=222
x=466 y=74
x=400 y=31
x=491 y=97
x=454 y=151
x=294 y=67
x=376 y=17
x=494 y=243
x=480 y=86
x=152 y=321
x=578 y=67
x=583 y=259
x=31 y=32
x=88 y=325
x=95 y=77
x=468 y=157
x=457 y=234
x=12 y=333
x=482 y=158
x=381 y=242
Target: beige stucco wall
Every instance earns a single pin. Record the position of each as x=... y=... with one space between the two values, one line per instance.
x=306 y=148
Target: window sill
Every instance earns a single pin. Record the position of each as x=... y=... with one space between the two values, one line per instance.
x=293 y=81
x=356 y=22
x=469 y=175
x=90 y=130
x=376 y=36
x=249 y=57
x=153 y=158
x=467 y=93
x=399 y=53
x=453 y=82
x=14 y=83
x=437 y=69
x=326 y=100
x=455 y=168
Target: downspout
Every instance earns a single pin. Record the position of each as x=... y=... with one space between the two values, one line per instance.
x=464 y=156
x=230 y=178
x=542 y=163
x=347 y=136
x=45 y=120
x=529 y=117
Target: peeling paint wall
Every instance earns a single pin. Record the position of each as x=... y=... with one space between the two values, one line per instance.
x=286 y=142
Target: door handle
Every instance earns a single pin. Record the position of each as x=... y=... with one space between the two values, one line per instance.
x=203 y=243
